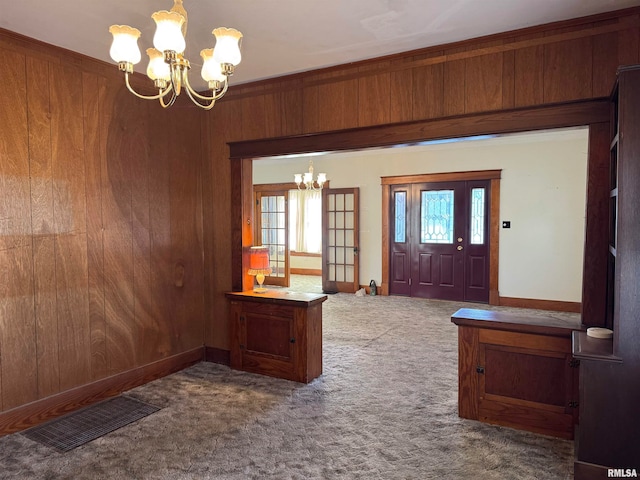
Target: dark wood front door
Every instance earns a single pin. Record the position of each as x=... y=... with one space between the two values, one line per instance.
x=439 y=239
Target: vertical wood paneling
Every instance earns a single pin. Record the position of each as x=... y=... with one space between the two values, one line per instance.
x=165 y=333
x=17 y=329
x=273 y=114
x=568 y=69
x=186 y=229
x=147 y=334
x=629 y=43
x=401 y=94
x=483 y=81
x=310 y=109
x=253 y=117
x=529 y=74
x=605 y=55
x=208 y=213
x=428 y=87
x=292 y=108
x=67 y=146
x=42 y=222
x=93 y=90
x=18 y=374
x=508 y=78
x=338 y=105
x=118 y=136
x=223 y=124
x=454 y=85
x=374 y=101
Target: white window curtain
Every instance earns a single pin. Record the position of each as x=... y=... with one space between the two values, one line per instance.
x=305 y=221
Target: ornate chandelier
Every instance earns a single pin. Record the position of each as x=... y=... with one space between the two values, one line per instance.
x=307 y=179
x=168 y=68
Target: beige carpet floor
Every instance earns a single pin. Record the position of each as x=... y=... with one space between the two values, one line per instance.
x=384 y=408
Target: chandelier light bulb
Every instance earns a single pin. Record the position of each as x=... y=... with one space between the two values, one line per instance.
x=158 y=69
x=227 y=46
x=211 y=70
x=168 y=36
x=125 y=44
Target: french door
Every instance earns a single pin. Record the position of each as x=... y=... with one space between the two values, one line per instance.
x=272 y=230
x=439 y=240
x=340 y=240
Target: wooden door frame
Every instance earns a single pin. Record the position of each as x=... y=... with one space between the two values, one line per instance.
x=593 y=113
x=494 y=218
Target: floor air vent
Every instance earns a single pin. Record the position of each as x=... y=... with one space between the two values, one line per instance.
x=77 y=428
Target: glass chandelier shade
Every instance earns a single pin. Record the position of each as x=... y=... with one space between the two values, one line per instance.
x=211 y=70
x=227 y=46
x=168 y=68
x=168 y=36
x=158 y=69
x=124 y=47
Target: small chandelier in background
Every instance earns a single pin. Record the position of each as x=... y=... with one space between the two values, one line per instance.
x=168 y=68
x=307 y=179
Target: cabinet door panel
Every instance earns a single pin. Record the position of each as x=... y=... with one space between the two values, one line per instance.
x=269 y=335
x=534 y=378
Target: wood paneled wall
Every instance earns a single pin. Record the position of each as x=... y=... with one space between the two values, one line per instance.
x=101 y=234
x=539 y=66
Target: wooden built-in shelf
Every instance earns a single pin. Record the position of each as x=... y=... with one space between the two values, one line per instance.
x=588 y=348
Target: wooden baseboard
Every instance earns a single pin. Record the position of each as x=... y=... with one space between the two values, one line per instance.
x=554 y=305
x=589 y=471
x=217 y=355
x=40 y=411
x=306 y=271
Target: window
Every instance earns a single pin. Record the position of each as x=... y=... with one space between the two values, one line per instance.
x=436 y=216
x=305 y=221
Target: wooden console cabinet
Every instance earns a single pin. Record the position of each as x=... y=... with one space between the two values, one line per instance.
x=517 y=371
x=277 y=333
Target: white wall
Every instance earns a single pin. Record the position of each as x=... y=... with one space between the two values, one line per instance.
x=542 y=193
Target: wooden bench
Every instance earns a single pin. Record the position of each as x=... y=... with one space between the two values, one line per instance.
x=517 y=371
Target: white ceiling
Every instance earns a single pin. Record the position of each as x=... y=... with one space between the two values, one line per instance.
x=288 y=36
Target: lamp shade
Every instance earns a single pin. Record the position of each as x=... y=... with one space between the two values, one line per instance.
x=227 y=45
x=211 y=70
x=168 y=34
x=158 y=69
x=259 y=261
x=125 y=44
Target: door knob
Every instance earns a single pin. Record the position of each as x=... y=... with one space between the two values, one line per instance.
x=459 y=247
x=459 y=239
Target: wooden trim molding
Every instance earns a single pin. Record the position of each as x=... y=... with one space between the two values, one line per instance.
x=589 y=471
x=48 y=408
x=442 y=177
x=305 y=254
x=553 y=305
x=217 y=355
x=569 y=114
x=306 y=271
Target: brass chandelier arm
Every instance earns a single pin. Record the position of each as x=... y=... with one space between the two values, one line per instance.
x=171 y=101
x=193 y=95
x=161 y=94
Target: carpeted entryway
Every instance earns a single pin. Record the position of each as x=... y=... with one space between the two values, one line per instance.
x=385 y=408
